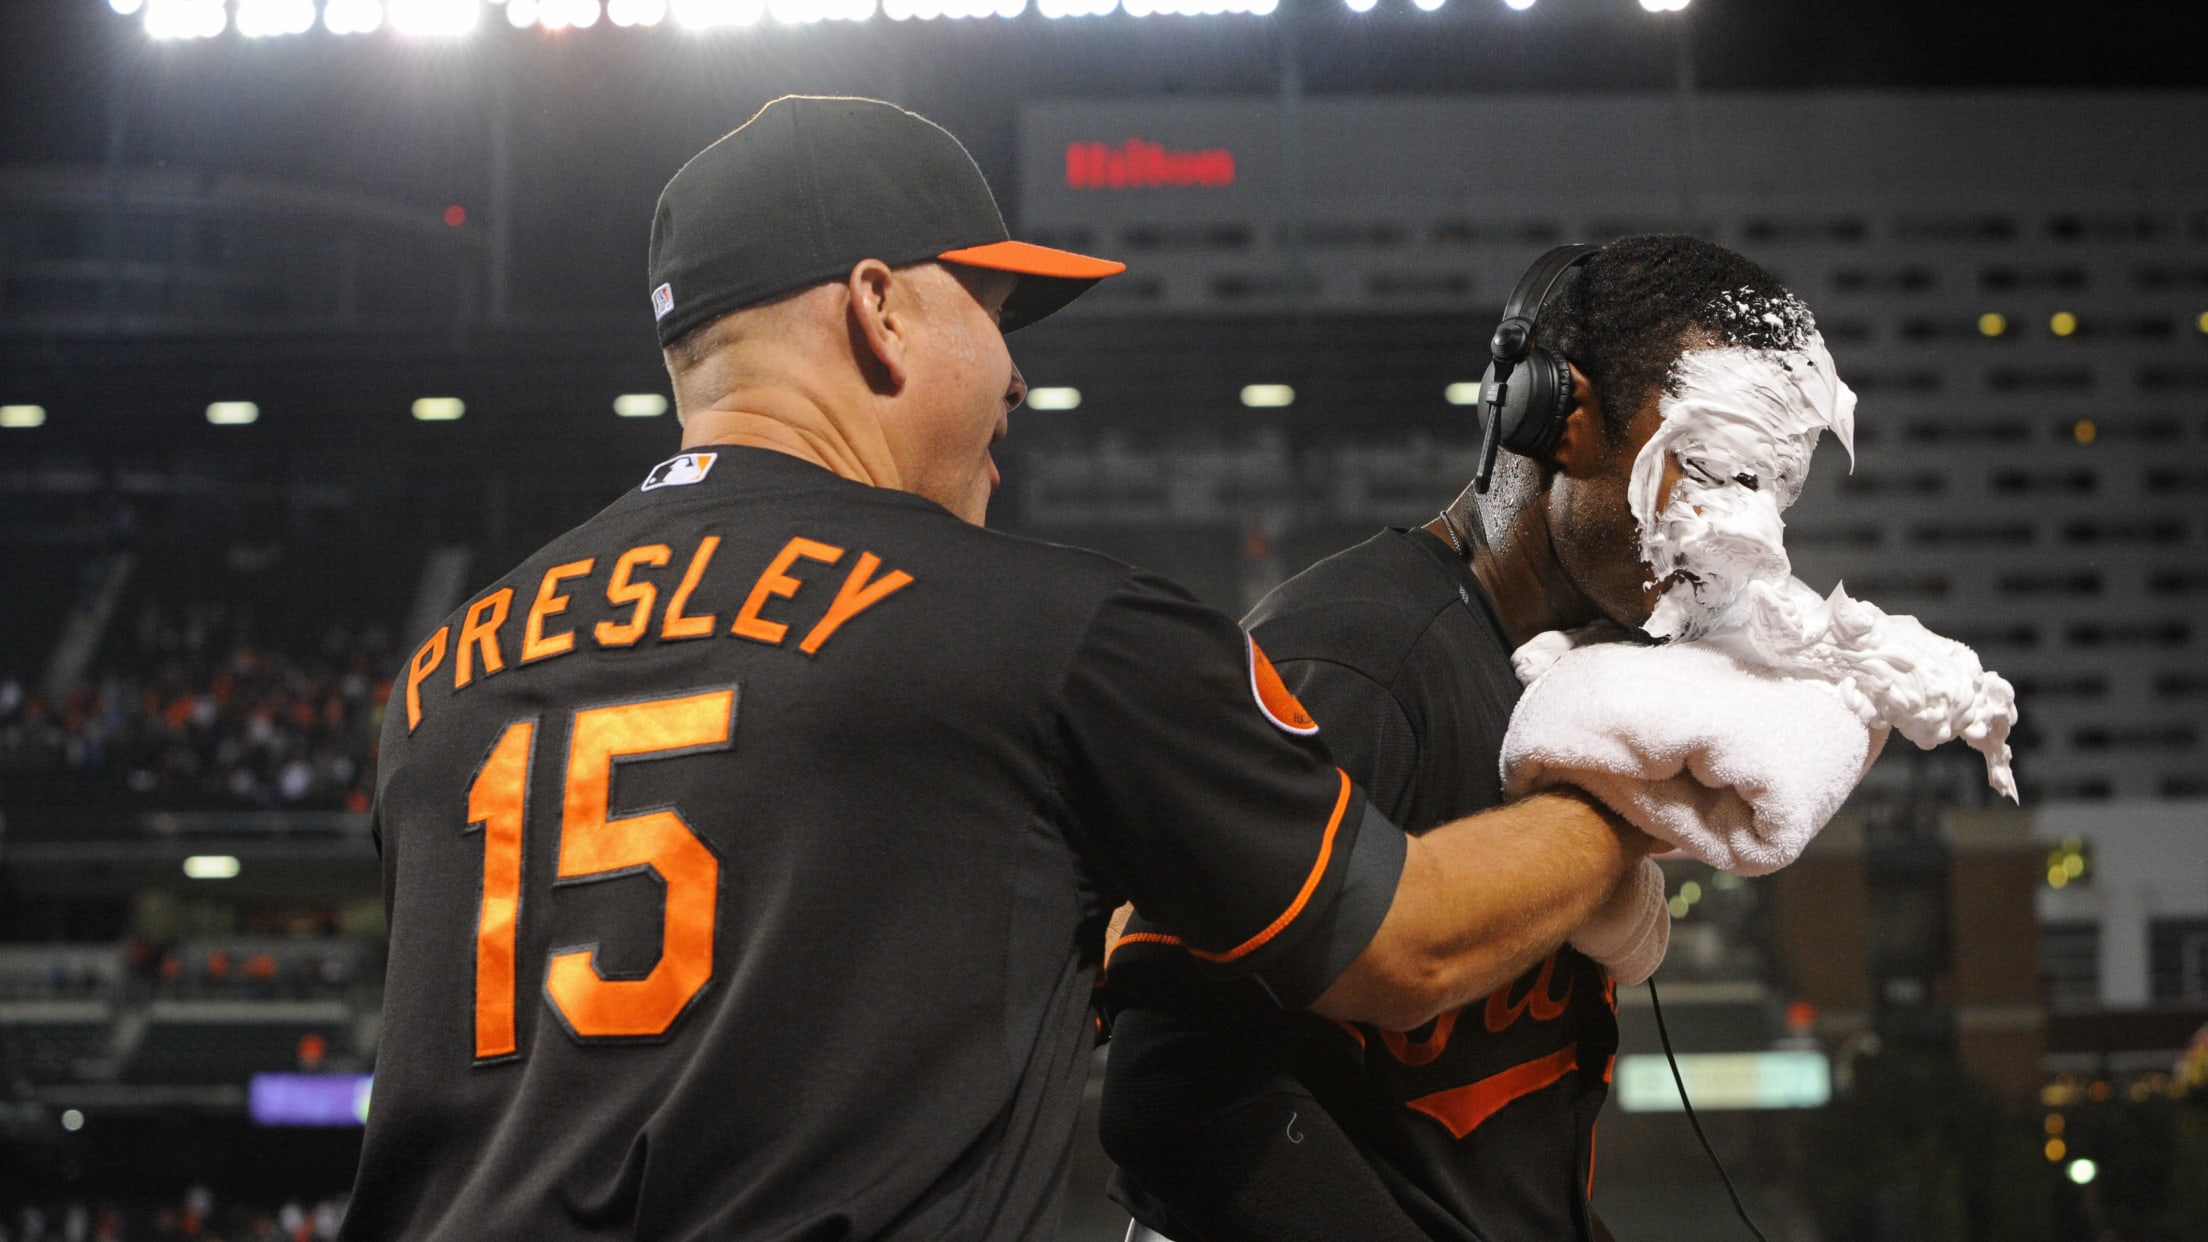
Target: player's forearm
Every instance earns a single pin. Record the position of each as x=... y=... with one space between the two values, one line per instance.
x=1480 y=900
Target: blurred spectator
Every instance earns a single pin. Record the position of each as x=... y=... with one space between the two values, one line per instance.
x=204 y=715
x=197 y=1215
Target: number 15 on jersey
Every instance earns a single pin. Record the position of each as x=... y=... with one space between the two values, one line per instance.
x=595 y=847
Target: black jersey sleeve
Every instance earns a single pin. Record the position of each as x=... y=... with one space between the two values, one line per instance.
x=1201 y=790
x=1367 y=730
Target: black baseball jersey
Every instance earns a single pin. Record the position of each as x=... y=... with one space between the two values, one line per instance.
x=747 y=851
x=1479 y=1125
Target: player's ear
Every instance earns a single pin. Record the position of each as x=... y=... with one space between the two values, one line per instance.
x=881 y=318
x=1582 y=447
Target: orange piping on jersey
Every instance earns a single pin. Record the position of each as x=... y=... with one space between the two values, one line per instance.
x=420 y=668
x=1258 y=941
x=1461 y=1109
x=1591 y=1160
x=855 y=596
x=479 y=633
x=1310 y=886
x=777 y=582
x=677 y=625
x=620 y=589
x=534 y=644
x=1140 y=938
x=1610 y=1067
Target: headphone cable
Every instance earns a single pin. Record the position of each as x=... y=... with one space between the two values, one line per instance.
x=1665 y=1035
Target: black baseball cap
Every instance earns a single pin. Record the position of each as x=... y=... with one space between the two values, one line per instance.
x=811 y=185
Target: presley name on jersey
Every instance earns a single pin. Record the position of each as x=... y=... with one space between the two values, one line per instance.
x=747 y=852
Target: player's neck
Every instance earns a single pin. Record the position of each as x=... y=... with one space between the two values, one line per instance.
x=1530 y=590
x=794 y=422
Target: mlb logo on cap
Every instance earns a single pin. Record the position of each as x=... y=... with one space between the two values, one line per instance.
x=679 y=471
x=663 y=301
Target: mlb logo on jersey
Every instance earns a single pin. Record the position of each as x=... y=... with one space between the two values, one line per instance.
x=680 y=471
x=663 y=302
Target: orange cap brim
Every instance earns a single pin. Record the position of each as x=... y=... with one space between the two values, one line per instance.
x=1028 y=259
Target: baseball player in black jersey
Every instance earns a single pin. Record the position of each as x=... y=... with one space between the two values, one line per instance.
x=748 y=849
x=1234 y=1121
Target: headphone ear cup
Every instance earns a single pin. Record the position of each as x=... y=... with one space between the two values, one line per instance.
x=1539 y=400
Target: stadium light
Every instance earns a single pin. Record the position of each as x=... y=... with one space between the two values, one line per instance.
x=352 y=16
x=1463 y=392
x=1268 y=396
x=233 y=413
x=1195 y=8
x=1664 y=6
x=718 y=14
x=260 y=18
x=929 y=10
x=72 y=1119
x=640 y=405
x=2083 y=1171
x=1053 y=398
x=1519 y=5
x=201 y=19
x=808 y=12
x=211 y=867
x=433 y=17
x=17 y=417
x=1360 y=6
x=439 y=409
x=1428 y=6
x=186 y=19
x=554 y=14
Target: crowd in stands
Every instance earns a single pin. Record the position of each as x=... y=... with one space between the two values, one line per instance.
x=198 y=714
x=195 y=1215
x=249 y=969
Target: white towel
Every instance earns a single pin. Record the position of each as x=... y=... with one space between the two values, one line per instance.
x=1738 y=767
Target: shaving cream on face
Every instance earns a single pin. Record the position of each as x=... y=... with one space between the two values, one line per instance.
x=1742 y=425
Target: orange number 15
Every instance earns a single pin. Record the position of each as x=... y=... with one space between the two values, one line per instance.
x=594 y=847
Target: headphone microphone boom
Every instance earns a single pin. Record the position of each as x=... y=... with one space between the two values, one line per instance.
x=1525 y=413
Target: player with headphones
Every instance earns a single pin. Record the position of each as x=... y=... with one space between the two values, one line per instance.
x=1231 y=1119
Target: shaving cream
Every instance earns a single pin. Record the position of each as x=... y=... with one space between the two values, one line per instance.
x=1742 y=424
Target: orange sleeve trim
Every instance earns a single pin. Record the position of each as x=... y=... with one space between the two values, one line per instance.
x=1303 y=896
x=1140 y=938
x=1258 y=941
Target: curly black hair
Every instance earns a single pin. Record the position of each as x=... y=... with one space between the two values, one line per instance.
x=1624 y=315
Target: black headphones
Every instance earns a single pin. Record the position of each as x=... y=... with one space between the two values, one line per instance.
x=1525 y=412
